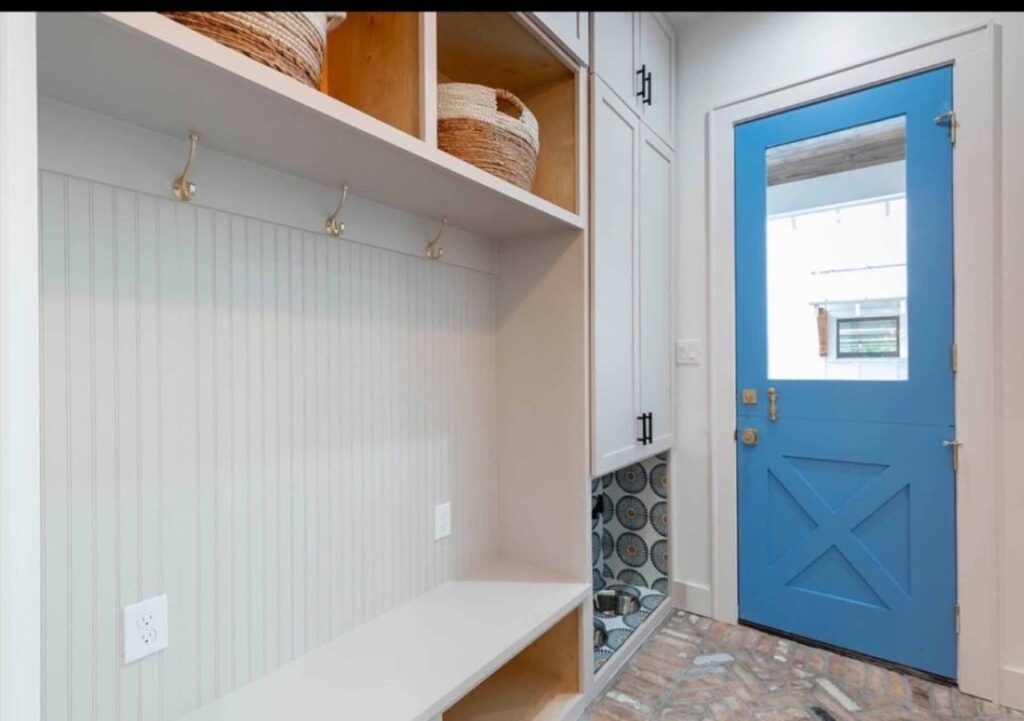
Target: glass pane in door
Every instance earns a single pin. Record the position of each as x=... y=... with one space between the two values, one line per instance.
x=836 y=255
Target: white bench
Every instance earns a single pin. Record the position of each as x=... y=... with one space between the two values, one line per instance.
x=416 y=661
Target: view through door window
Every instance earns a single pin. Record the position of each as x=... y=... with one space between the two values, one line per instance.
x=836 y=253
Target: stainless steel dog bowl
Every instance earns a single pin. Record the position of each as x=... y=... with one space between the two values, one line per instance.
x=615 y=602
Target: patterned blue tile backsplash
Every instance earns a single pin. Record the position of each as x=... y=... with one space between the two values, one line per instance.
x=629 y=540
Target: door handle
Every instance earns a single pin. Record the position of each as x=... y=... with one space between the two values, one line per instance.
x=647 y=85
x=749 y=436
x=954 y=445
x=642 y=72
x=773 y=404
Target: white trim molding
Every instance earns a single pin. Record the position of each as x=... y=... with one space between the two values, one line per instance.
x=20 y=669
x=693 y=597
x=974 y=53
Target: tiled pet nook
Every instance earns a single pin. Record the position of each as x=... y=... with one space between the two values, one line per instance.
x=618 y=628
x=629 y=544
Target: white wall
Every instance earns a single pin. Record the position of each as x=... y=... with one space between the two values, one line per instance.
x=20 y=572
x=730 y=56
x=245 y=414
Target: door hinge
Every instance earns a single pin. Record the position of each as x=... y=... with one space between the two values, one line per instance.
x=954 y=446
x=956 y=611
x=735 y=434
x=948 y=119
x=953 y=357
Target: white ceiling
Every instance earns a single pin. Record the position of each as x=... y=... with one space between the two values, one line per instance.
x=679 y=19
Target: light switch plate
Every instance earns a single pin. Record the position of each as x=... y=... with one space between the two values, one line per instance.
x=442 y=521
x=689 y=352
x=145 y=628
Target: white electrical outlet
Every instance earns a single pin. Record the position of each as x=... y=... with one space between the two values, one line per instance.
x=145 y=628
x=442 y=521
x=688 y=352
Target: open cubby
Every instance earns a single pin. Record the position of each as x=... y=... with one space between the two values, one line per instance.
x=536 y=685
x=373 y=64
x=495 y=49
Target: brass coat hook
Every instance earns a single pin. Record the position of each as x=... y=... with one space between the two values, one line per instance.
x=433 y=252
x=334 y=227
x=184 y=189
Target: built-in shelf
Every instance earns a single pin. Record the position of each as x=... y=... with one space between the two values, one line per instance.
x=498 y=50
x=148 y=70
x=542 y=682
x=373 y=63
x=418 y=660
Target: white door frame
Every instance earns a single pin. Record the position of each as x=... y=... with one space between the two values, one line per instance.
x=974 y=53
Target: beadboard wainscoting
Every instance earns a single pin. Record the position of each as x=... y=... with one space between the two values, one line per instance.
x=254 y=419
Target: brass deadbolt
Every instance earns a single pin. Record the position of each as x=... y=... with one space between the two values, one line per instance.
x=749 y=396
x=749 y=436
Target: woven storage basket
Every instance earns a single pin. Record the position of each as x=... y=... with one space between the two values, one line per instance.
x=474 y=123
x=290 y=42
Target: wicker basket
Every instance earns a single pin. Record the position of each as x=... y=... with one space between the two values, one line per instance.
x=290 y=42
x=490 y=128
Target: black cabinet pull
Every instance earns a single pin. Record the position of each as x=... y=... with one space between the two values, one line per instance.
x=646 y=428
x=642 y=72
x=647 y=86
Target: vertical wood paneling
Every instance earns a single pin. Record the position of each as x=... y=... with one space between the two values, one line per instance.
x=55 y=432
x=254 y=420
x=206 y=475
x=82 y=505
x=104 y=432
x=126 y=409
x=223 y=618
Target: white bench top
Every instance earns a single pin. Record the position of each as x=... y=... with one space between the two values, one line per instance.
x=413 y=662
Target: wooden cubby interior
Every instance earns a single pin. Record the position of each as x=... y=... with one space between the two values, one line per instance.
x=495 y=49
x=373 y=64
x=538 y=683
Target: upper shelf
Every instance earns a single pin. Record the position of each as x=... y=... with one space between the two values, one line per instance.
x=150 y=71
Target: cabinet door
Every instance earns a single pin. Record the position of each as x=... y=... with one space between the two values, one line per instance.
x=615 y=57
x=654 y=259
x=572 y=29
x=614 y=377
x=657 y=42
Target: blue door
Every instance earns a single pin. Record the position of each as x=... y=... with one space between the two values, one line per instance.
x=844 y=321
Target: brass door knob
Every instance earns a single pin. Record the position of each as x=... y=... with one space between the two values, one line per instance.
x=749 y=436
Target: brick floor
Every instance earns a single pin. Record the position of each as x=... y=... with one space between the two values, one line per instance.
x=695 y=669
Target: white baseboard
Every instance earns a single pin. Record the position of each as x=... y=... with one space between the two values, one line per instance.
x=692 y=597
x=1011 y=687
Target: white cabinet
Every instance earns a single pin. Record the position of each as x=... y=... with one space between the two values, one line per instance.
x=634 y=53
x=614 y=348
x=654 y=258
x=571 y=29
x=631 y=292
x=615 y=58
x=657 y=42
